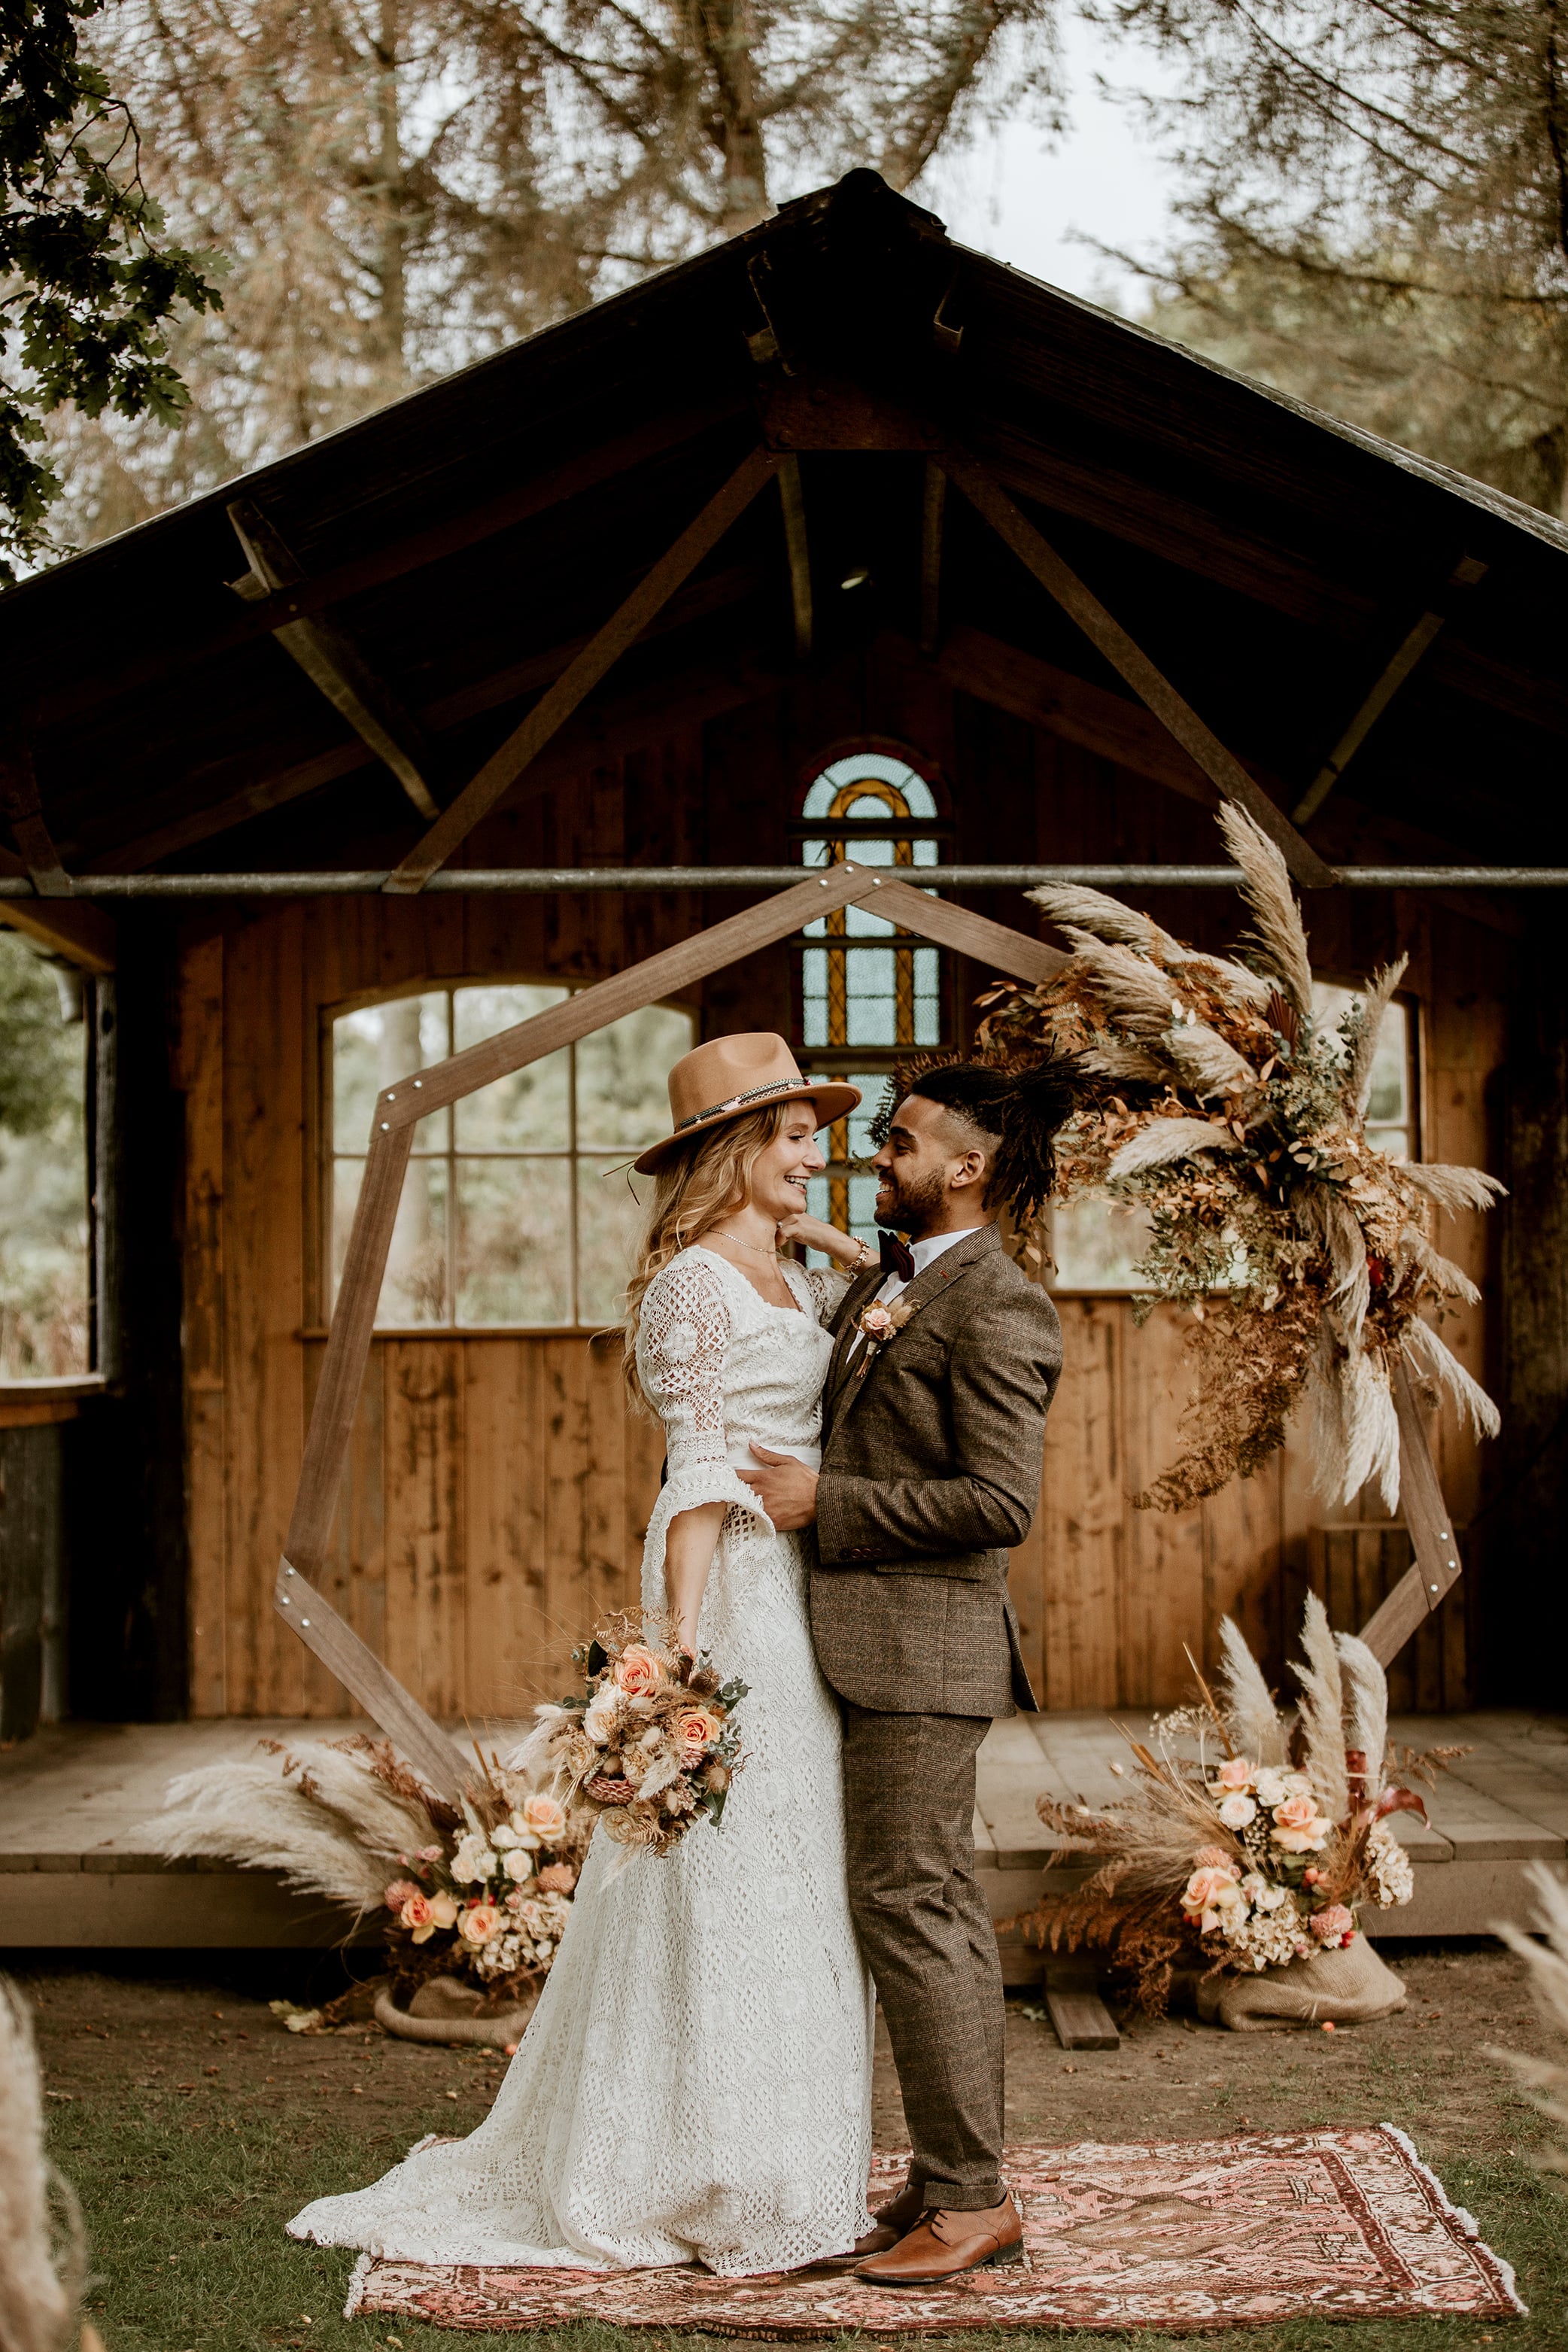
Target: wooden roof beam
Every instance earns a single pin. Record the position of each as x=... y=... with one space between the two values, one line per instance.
x=330 y=660
x=556 y=705
x=1224 y=770
x=793 y=500
x=1394 y=672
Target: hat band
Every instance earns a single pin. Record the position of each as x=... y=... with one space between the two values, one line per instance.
x=738 y=1102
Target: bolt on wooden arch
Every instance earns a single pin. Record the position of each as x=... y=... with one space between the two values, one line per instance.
x=300 y=1602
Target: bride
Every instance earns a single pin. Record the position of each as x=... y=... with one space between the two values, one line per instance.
x=695 y=2082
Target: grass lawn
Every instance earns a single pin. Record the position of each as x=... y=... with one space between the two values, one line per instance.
x=193 y=2126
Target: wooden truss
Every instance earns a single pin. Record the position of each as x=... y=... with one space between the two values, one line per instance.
x=399 y=1108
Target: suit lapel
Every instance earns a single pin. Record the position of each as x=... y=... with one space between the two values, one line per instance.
x=861 y=1293
x=939 y=1275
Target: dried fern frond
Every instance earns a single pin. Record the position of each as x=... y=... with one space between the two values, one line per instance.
x=1323 y=1710
x=1165 y=1140
x=1454 y=1188
x=1433 y=1356
x=1277 y=932
x=1544 y=2078
x=1365 y=1706
x=1250 y=1712
x=1379 y=997
x=43 y=2245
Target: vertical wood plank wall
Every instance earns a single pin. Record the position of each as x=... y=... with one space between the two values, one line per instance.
x=497 y=1493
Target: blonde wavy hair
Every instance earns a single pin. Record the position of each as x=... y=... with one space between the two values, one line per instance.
x=691 y=1192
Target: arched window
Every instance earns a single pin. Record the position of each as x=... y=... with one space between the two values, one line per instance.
x=513 y=1215
x=865 y=988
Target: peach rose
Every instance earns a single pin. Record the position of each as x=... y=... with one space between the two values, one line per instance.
x=1236 y=1772
x=415 y=1915
x=544 y=1815
x=398 y=1893
x=444 y=1910
x=479 y=1922
x=878 y=1324
x=1207 y=1887
x=557 y=1878
x=637 y=1671
x=1298 y=1825
x=1335 y=1926
x=695 y=1730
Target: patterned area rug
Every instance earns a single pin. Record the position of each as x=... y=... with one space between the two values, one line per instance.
x=1167 y=2233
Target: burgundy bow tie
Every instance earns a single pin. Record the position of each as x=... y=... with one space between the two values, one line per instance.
x=896 y=1255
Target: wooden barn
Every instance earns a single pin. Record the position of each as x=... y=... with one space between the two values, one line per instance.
x=839 y=540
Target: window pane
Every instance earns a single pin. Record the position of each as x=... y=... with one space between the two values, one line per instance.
x=414 y=1289
x=813 y=995
x=1389 y=1103
x=868 y=997
x=44 y=1255
x=529 y=1111
x=1096 y=1245
x=927 y=997
x=609 y=1221
x=374 y=1048
x=622 y=1096
x=514 y=1241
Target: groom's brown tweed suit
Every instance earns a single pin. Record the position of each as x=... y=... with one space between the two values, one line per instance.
x=930 y=1469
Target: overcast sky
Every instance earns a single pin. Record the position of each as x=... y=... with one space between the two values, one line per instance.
x=1022 y=198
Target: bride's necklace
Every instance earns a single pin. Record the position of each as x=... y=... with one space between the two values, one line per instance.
x=756 y=1246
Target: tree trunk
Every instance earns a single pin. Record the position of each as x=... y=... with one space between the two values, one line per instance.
x=392 y=264
x=728 y=34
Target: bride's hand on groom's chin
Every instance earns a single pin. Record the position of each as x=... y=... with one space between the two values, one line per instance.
x=784 y=1487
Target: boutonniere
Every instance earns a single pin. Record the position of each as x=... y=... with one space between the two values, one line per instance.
x=876 y=1325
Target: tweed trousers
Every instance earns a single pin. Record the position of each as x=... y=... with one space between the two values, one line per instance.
x=925 y=1928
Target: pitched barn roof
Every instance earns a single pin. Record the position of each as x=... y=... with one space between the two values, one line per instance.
x=460 y=546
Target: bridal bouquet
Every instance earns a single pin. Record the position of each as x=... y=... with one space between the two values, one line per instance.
x=1249 y=1838
x=651 y=1742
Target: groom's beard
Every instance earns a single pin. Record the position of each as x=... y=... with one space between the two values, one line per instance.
x=916 y=1203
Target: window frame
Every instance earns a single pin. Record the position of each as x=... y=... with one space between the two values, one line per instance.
x=325 y=1156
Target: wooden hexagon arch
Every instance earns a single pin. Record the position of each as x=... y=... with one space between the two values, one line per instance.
x=399 y=1108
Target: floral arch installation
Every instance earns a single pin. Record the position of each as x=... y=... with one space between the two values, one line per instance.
x=398 y=1109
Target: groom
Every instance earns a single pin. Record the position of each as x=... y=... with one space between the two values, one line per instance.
x=933 y=1429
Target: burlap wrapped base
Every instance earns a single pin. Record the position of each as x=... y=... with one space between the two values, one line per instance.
x=1347 y=1987
x=447 y=2009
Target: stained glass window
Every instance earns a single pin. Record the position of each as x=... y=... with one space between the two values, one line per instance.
x=516 y=1211
x=866 y=988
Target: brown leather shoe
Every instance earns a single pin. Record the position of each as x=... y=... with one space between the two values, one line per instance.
x=900 y=2213
x=875 y=2242
x=944 y=2244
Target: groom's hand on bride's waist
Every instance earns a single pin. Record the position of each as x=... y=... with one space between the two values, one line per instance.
x=784 y=1487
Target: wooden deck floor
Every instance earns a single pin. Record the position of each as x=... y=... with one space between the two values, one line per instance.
x=73 y=1872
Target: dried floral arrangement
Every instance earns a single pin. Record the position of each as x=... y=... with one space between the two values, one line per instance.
x=1215 y=1099
x=651 y=1742
x=480 y=1890
x=1250 y=1837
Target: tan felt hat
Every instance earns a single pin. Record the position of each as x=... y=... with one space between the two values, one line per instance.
x=732 y=1075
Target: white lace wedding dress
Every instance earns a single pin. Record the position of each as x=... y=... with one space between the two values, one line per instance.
x=695 y=2083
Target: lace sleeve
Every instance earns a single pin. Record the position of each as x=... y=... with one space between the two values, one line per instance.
x=683 y=1340
x=827 y=1285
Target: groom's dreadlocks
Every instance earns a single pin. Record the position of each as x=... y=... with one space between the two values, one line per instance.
x=1016 y=1107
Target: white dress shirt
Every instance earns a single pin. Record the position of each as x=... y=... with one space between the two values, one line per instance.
x=924 y=1253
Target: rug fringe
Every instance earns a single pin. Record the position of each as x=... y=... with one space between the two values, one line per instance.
x=356 y=2287
x=1460 y=2214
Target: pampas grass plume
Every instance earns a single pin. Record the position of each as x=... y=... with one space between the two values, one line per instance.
x=43 y=2247
x=1323 y=1710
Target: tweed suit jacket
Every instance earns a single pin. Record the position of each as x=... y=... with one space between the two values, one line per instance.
x=931 y=1470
